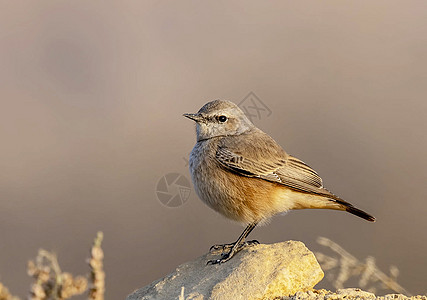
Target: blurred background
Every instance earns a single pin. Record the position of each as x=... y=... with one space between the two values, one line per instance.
x=92 y=95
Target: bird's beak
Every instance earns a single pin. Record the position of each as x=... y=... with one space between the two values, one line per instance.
x=194 y=117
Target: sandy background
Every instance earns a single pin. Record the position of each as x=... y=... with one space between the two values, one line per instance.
x=91 y=98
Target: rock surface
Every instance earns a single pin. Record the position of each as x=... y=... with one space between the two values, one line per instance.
x=348 y=294
x=257 y=272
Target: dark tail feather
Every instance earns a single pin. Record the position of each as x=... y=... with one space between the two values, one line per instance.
x=351 y=209
x=360 y=213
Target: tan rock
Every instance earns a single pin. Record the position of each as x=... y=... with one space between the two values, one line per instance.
x=257 y=272
x=347 y=294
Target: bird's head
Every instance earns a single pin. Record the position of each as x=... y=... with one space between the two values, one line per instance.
x=219 y=118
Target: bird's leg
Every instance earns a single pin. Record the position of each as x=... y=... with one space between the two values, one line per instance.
x=234 y=247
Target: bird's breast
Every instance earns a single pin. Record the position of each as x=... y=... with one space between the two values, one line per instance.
x=241 y=198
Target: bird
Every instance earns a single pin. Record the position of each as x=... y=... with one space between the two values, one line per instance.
x=244 y=174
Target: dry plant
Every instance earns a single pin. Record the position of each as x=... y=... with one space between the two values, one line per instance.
x=345 y=266
x=51 y=283
x=97 y=275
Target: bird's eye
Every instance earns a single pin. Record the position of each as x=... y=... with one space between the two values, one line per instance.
x=222 y=119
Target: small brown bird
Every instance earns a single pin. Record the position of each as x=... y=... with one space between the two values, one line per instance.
x=242 y=173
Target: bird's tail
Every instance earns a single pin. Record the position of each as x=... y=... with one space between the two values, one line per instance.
x=360 y=213
x=353 y=210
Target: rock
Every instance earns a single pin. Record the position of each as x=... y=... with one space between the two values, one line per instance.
x=257 y=272
x=340 y=294
x=347 y=294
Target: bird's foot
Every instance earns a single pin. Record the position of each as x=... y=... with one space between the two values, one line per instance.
x=234 y=248
x=224 y=247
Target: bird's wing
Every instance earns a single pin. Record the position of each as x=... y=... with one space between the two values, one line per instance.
x=258 y=155
x=268 y=161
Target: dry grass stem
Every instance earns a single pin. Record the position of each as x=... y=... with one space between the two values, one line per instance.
x=181 y=296
x=346 y=266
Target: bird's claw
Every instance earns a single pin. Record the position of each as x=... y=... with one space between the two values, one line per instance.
x=233 y=250
x=224 y=257
x=251 y=243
